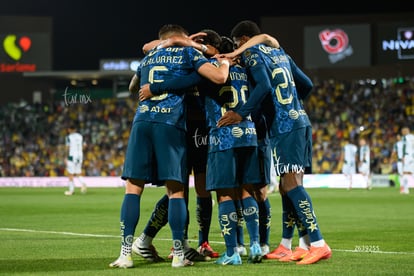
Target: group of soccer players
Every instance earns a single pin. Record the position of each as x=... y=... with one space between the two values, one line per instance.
x=356 y=158
x=253 y=112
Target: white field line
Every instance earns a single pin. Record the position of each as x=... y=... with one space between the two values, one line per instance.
x=214 y=242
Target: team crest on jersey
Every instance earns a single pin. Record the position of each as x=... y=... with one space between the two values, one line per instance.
x=198 y=57
x=252 y=62
x=250 y=58
x=247 y=53
x=153 y=52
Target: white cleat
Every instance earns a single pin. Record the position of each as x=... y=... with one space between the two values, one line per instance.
x=179 y=259
x=123 y=262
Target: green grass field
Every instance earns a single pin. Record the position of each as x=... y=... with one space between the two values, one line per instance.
x=44 y=232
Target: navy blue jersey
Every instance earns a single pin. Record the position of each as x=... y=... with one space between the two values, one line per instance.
x=163 y=64
x=221 y=98
x=271 y=73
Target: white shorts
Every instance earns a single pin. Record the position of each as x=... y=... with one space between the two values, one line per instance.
x=348 y=169
x=408 y=165
x=364 y=169
x=74 y=167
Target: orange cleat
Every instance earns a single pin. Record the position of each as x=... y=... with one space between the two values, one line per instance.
x=315 y=254
x=206 y=250
x=298 y=254
x=278 y=253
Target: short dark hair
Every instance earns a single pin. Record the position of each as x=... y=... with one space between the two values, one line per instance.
x=212 y=38
x=171 y=29
x=73 y=125
x=245 y=28
x=227 y=45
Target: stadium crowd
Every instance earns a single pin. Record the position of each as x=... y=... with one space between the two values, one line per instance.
x=32 y=138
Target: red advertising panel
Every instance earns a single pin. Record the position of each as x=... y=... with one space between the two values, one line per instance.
x=334 y=46
x=394 y=43
x=25 y=52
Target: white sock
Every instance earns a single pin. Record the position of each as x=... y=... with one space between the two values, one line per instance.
x=80 y=179
x=126 y=250
x=286 y=243
x=405 y=183
x=145 y=240
x=71 y=186
x=319 y=243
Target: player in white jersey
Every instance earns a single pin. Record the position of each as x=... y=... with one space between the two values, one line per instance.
x=75 y=146
x=397 y=156
x=364 y=162
x=348 y=159
x=408 y=158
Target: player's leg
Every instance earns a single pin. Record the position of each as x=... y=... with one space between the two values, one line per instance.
x=84 y=187
x=265 y=217
x=251 y=217
x=189 y=252
x=70 y=168
x=288 y=226
x=171 y=154
x=241 y=248
x=135 y=169
x=405 y=182
x=129 y=218
x=204 y=211
x=227 y=214
x=251 y=177
x=197 y=149
x=177 y=219
x=77 y=172
x=400 y=175
x=292 y=185
x=221 y=175
x=267 y=171
x=159 y=218
x=300 y=251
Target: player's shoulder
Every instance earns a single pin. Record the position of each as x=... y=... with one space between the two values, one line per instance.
x=76 y=135
x=252 y=50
